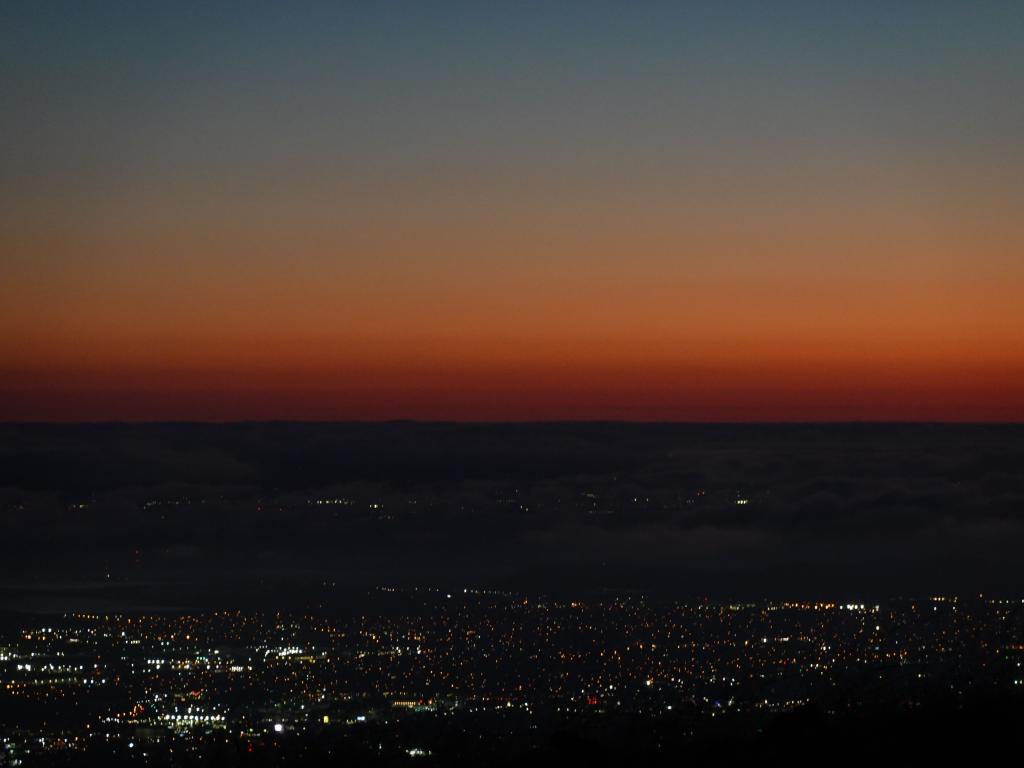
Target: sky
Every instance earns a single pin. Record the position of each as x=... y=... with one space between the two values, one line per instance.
x=489 y=211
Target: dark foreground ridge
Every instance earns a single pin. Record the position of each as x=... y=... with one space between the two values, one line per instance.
x=426 y=677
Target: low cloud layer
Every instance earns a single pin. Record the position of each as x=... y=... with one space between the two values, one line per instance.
x=843 y=510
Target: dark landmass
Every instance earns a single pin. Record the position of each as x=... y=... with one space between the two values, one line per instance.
x=261 y=594
x=251 y=514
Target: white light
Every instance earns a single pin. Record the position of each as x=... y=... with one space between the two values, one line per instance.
x=278 y=728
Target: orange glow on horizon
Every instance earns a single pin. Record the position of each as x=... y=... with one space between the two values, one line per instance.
x=531 y=222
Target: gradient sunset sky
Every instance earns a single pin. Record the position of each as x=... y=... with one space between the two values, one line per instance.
x=551 y=210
